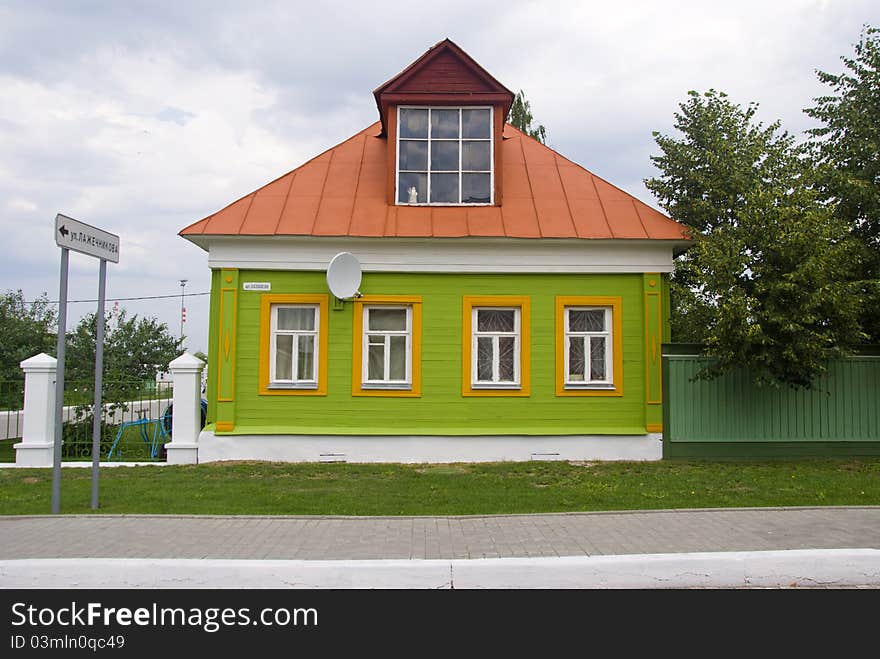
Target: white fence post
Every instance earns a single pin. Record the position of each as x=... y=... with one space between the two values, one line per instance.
x=186 y=420
x=38 y=426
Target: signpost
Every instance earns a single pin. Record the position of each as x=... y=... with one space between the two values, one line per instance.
x=74 y=235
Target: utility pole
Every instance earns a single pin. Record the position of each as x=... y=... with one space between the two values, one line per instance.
x=182 y=308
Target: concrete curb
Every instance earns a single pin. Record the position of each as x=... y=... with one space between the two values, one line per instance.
x=808 y=568
x=570 y=513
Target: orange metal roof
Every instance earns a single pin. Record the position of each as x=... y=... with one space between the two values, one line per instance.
x=342 y=193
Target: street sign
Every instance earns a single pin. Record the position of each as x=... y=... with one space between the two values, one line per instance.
x=74 y=235
x=86 y=239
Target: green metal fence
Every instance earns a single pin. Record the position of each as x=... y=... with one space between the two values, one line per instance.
x=135 y=426
x=732 y=417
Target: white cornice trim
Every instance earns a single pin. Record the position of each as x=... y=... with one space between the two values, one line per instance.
x=452 y=255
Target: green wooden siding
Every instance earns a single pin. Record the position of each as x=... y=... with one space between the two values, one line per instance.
x=841 y=409
x=441 y=409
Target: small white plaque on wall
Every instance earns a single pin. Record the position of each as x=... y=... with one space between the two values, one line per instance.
x=257 y=286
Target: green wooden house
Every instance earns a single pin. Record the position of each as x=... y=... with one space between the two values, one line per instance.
x=511 y=307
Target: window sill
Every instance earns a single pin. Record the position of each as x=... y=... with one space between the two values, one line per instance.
x=589 y=390
x=381 y=386
x=483 y=386
x=449 y=204
x=286 y=386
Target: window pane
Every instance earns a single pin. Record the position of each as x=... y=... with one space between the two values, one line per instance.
x=302 y=318
x=576 y=365
x=284 y=357
x=376 y=362
x=505 y=358
x=495 y=320
x=409 y=180
x=484 y=359
x=475 y=189
x=387 y=319
x=444 y=156
x=586 y=320
x=597 y=358
x=444 y=123
x=397 y=359
x=444 y=188
x=414 y=154
x=475 y=123
x=413 y=123
x=475 y=156
x=306 y=366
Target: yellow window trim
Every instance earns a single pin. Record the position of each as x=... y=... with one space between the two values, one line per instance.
x=524 y=304
x=614 y=302
x=266 y=302
x=414 y=301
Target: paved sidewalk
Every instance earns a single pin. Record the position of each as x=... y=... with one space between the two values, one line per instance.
x=496 y=536
x=725 y=548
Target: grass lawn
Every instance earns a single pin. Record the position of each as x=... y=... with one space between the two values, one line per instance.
x=258 y=488
x=7 y=453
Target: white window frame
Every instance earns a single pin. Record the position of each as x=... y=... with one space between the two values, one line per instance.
x=607 y=333
x=460 y=139
x=496 y=353
x=366 y=383
x=295 y=383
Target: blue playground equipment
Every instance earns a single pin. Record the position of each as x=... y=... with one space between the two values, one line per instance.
x=153 y=432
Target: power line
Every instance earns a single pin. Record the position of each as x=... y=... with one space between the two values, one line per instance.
x=122 y=299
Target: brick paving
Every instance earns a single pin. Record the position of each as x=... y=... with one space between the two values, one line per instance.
x=494 y=536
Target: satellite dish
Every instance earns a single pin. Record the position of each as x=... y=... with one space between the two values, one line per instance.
x=344 y=276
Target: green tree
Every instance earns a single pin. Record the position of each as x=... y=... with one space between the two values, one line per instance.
x=135 y=349
x=26 y=329
x=768 y=283
x=521 y=118
x=846 y=152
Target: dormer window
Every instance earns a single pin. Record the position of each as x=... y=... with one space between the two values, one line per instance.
x=444 y=155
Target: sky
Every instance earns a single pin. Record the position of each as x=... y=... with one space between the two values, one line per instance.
x=143 y=117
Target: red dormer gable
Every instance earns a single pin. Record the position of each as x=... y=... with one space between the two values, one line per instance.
x=444 y=75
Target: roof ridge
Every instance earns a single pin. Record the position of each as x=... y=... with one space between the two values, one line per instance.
x=357 y=184
x=324 y=184
x=601 y=203
x=529 y=179
x=639 y=215
x=564 y=193
x=286 y=199
x=252 y=195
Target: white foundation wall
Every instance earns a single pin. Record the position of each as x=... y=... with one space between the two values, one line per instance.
x=427 y=449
